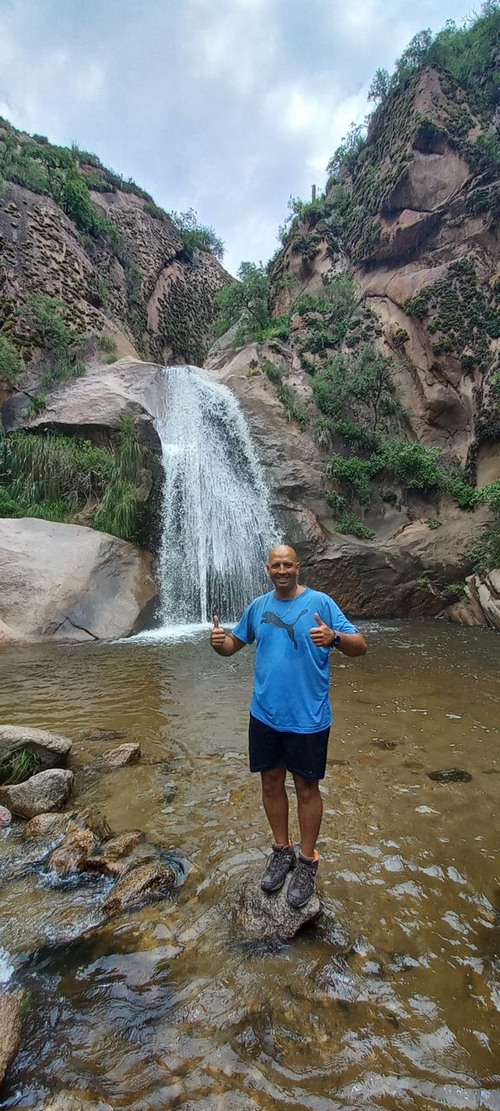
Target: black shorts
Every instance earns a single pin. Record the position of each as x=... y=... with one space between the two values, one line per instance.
x=302 y=753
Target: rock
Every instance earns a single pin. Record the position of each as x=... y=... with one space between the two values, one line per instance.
x=450 y=775
x=10 y=1030
x=71 y=855
x=151 y=880
x=260 y=917
x=5 y=817
x=481 y=602
x=45 y=791
x=101 y=734
x=113 y=857
x=53 y=826
x=67 y=582
x=119 y=757
x=51 y=749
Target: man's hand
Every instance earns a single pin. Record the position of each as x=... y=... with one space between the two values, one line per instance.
x=218 y=635
x=321 y=634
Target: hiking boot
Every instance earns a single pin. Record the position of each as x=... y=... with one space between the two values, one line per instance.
x=280 y=863
x=301 y=886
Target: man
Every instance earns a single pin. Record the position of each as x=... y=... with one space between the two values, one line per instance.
x=290 y=715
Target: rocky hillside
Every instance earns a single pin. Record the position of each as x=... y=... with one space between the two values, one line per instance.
x=382 y=337
x=78 y=241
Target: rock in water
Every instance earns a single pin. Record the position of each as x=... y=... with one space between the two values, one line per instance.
x=260 y=917
x=10 y=1030
x=48 y=790
x=450 y=775
x=119 y=757
x=151 y=880
x=5 y=817
x=51 y=749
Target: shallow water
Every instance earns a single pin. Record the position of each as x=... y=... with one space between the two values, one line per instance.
x=165 y=1008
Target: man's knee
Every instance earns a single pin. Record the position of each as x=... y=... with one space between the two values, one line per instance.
x=307 y=789
x=273 y=781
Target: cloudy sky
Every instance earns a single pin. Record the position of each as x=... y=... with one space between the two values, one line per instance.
x=225 y=106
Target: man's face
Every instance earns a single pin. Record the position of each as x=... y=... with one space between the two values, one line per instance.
x=283 y=568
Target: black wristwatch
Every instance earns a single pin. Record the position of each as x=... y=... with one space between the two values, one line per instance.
x=336 y=641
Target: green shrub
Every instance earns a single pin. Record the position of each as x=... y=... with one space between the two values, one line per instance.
x=11 y=364
x=19 y=766
x=348 y=523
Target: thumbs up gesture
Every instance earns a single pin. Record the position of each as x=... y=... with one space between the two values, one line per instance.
x=218 y=635
x=321 y=634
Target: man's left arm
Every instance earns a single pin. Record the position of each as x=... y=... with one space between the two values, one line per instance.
x=349 y=643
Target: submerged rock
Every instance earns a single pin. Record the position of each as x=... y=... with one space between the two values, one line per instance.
x=450 y=775
x=260 y=917
x=10 y=1030
x=71 y=855
x=118 y=757
x=45 y=791
x=151 y=880
x=66 y=1100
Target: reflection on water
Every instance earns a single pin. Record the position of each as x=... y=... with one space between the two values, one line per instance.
x=165 y=1008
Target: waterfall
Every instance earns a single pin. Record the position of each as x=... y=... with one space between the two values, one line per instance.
x=217 y=526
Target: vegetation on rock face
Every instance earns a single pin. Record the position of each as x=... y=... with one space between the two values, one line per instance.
x=58 y=477
x=247 y=303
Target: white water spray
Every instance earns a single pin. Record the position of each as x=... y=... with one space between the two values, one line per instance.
x=217 y=524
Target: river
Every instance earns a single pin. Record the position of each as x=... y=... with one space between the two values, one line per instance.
x=165 y=1008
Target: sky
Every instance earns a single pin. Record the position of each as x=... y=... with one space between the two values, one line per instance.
x=228 y=107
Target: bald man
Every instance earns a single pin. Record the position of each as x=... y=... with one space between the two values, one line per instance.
x=290 y=715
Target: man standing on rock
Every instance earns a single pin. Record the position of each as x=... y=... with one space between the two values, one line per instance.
x=290 y=715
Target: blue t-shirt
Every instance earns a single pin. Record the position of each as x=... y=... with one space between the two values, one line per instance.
x=292 y=674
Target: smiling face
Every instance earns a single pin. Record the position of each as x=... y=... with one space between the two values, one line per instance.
x=283 y=569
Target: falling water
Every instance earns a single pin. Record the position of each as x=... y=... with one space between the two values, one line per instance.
x=217 y=524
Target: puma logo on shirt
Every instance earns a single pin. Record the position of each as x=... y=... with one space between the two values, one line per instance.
x=270 y=618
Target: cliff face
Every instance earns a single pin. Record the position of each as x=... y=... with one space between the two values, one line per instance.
x=416 y=225
x=397 y=261
x=118 y=263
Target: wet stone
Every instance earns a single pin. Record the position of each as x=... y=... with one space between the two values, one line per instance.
x=257 y=916
x=120 y=757
x=5 y=817
x=450 y=775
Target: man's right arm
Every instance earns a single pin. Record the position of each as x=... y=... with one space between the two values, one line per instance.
x=225 y=644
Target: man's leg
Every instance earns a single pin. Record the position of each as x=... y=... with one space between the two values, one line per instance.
x=282 y=859
x=275 y=801
x=310 y=813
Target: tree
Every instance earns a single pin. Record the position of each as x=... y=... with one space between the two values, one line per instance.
x=379 y=87
x=246 y=301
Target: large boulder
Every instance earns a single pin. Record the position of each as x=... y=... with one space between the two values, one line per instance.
x=68 y=582
x=51 y=749
x=97 y=401
x=45 y=791
x=480 y=604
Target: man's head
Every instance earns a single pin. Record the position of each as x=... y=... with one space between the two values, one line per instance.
x=283 y=568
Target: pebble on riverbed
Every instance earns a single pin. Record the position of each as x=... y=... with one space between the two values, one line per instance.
x=450 y=775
